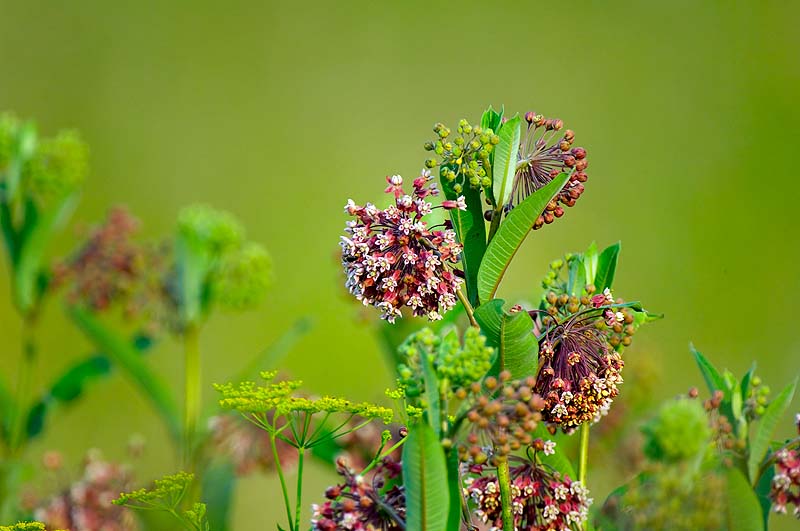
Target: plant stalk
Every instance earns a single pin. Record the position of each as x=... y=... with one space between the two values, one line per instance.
x=27 y=368
x=192 y=390
x=583 y=459
x=282 y=479
x=467 y=308
x=298 y=502
x=506 y=503
x=497 y=215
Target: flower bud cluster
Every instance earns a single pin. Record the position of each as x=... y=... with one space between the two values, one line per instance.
x=544 y=153
x=463 y=158
x=394 y=260
x=362 y=503
x=542 y=499
x=679 y=432
x=502 y=419
x=459 y=365
x=87 y=503
x=757 y=399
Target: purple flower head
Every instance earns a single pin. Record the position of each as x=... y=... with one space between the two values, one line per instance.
x=393 y=259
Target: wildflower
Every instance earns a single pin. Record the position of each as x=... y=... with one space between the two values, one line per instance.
x=86 y=505
x=110 y=267
x=362 y=504
x=542 y=157
x=392 y=259
x=578 y=373
x=167 y=495
x=785 y=489
x=541 y=499
x=504 y=415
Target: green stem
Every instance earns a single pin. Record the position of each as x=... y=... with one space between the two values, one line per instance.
x=282 y=479
x=298 y=502
x=27 y=368
x=380 y=457
x=192 y=389
x=497 y=215
x=467 y=308
x=506 y=503
x=583 y=457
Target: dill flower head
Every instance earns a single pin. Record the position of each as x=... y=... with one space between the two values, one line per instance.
x=393 y=259
x=785 y=489
x=279 y=397
x=362 y=503
x=543 y=154
x=578 y=373
x=502 y=418
x=542 y=499
x=110 y=267
x=87 y=504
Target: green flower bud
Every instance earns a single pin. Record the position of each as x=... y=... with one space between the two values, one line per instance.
x=457 y=188
x=429 y=146
x=243 y=277
x=494 y=140
x=430 y=163
x=679 y=432
x=59 y=166
x=459 y=140
x=216 y=230
x=486 y=182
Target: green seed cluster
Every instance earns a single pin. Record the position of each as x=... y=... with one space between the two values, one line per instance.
x=465 y=158
x=679 y=432
x=458 y=364
x=243 y=277
x=45 y=168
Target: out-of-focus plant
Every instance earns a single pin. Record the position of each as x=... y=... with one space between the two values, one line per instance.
x=712 y=465
x=40 y=182
x=167 y=496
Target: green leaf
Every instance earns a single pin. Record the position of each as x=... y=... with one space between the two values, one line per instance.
x=7 y=407
x=511 y=234
x=219 y=485
x=512 y=335
x=454 y=485
x=607 y=267
x=763 y=490
x=425 y=481
x=33 y=239
x=125 y=356
x=505 y=161
x=470 y=229
x=492 y=119
x=746 y=379
x=710 y=374
x=432 y=390
x=765 y=428
x=743 y=511
x=590 y=259
x=577 y=276
x=66 y=388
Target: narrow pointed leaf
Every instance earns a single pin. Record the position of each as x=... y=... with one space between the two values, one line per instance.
x=744 y=511
x=710 y=373
x=512 y=232
x=219 y=485
x=590 y=259
x=7 y=407
x=125 y=356
x=491 y=119
x=765 y=428
x=607 y=267
x=505 y=161
x=512 y=335
x=454 y=485
x=425 y=481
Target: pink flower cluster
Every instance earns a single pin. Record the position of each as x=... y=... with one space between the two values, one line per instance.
x=393 y=259
x=786 y=482
x=542 y=499
x=86 y=504
x=360 y=504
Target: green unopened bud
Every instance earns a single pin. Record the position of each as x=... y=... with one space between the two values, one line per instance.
x=429 y=146
x=457 y=188
x=495 y=140
x=430 y=163
x=486 y=182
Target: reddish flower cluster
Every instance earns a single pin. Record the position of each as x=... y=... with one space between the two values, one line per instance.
x=786 y=482
x=110 y=267
x=247 y=445
x=542 y=156
x=392 y=259
x=359 y=504
x=542 y=499
x=86 y=504
x=578 y=373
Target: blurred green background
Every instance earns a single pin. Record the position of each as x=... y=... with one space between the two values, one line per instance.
x=280 y=112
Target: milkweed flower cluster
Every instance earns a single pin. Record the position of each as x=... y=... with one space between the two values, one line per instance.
x=86 y=505
x=361 y=503
x=579 y=373
x=393 y=259
x=542 y=500
x=111 y=267
x=543 y=155
x=786 y=482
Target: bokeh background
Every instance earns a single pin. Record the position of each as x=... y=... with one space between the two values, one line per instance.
x=280 y=112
